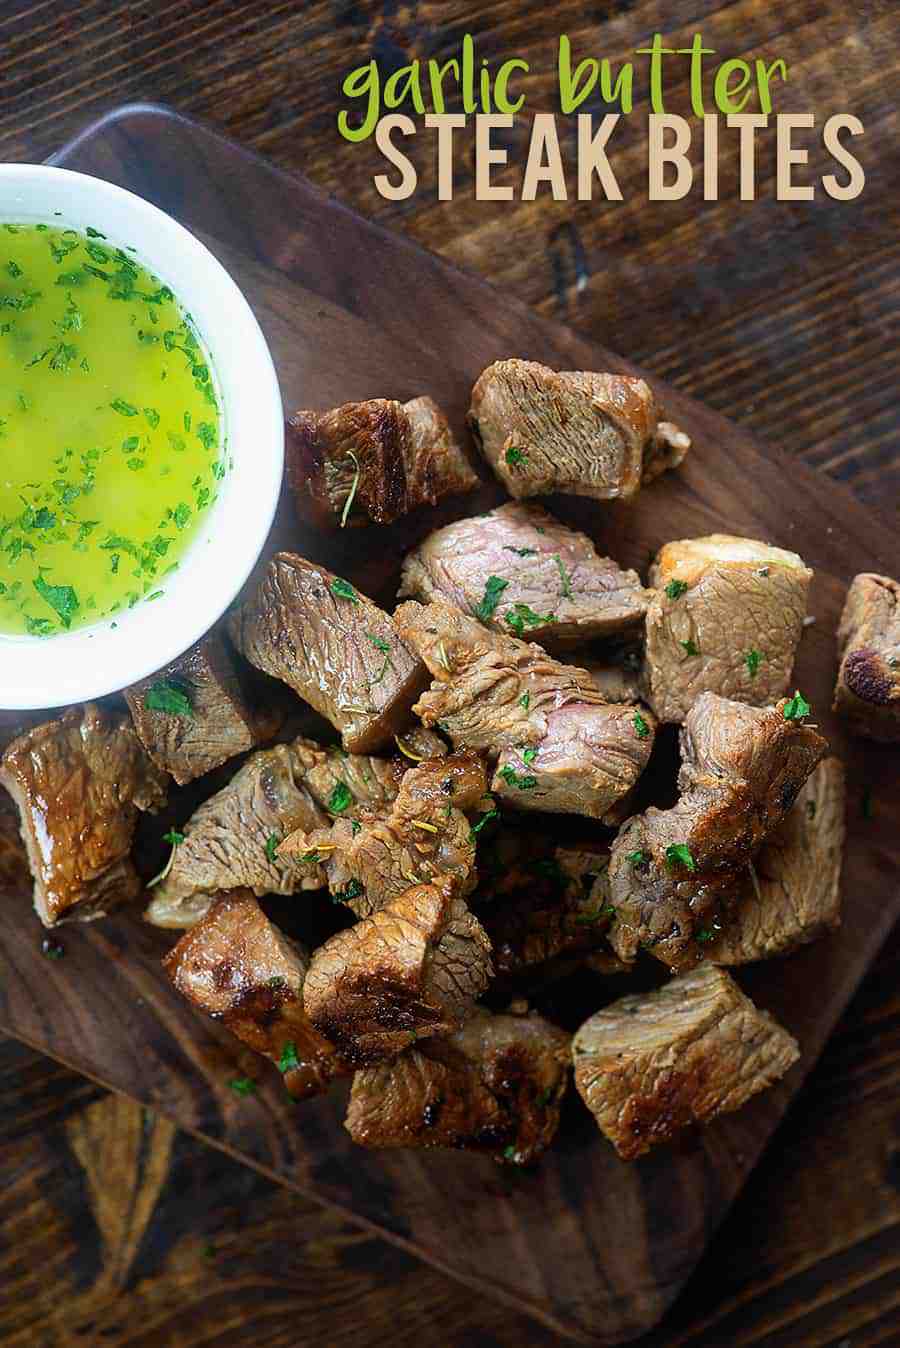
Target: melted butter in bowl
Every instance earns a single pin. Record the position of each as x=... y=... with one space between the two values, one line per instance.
x=110 y=437
x=141 y=438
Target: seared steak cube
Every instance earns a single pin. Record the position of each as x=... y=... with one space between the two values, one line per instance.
x=573 y=431
x=563 y=911
x=193 y=715
x=231 y=840
x=673 y=873
x=726 y=618
x=650 y=1064
x=794 y=894
x=494 y=1086
x=868 y=683
x=423 y=836
x=371 y=462
x=413 y=969
x=79 y=784
x=520 y=571
x=560 y=746
x=334 y=647
x=235 y=965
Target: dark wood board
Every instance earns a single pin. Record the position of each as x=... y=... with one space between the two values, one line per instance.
x=591 y=1247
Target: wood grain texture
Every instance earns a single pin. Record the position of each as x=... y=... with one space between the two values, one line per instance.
x=329 y=291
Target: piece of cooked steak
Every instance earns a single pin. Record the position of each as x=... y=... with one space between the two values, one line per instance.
x=521 y=571
x=572 y=431
x=796 y=897
x=867 y=691
x=674 y=873
x=424 y=835
x=346 y=784
x=235 y=965
x=494 y=1086
x=334 y=647
x=565 y=911
x=560 y=746
x=726 y=618
x=79 y=784
x=652 y=1063
x=371 y=462
x=412 y=970
x=231 y=840
x=193 y=715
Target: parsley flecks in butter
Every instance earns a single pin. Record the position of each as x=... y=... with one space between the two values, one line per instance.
x=112 y=436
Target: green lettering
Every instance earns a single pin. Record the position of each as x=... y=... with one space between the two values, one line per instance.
x=765 y=73
x=570 y=96
x=726 y=92
x=362 y=82
x=501 y=99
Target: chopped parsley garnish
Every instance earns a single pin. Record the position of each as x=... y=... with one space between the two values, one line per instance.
x=483 y=821
x=509 y=1152
x=352 y=890
x=689 y=647
x=810 y=809
x=521 y=552
x=636 y=857
x=704 y=934
x=340 y=798
x=512 y=778
x=243 y=1086
x=529 y=755
x=564 y=577
x=751 y=660
x=796 y=707
x=167 y=697
x=288 y=1061
x=492 y=591
x=641 y=728
x=676 y=588
x=525 y=701
x=514 y=456
x=61 y=598
x=123 y=408
x=342 y=589
x=272 y=844
x=521 y=616
x=379 y=643
x=174 y=839
x=680 y=854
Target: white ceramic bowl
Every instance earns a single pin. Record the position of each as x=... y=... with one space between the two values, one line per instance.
x=91 y=661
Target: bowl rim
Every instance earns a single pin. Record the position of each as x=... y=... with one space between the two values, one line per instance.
x=93 y=661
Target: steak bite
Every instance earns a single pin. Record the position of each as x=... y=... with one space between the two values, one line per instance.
x=796 y=897
x=572 y=431
x=520 y=571
x=726 y=618
x=334 y=647
x=652 y=1063
x=346 y=784
x=560 y=746
x=230 y=841
x=79 y=784
x=494 y=1086
x=235 y=965
x=413 y=969
x=371 y=462
x=867 y=691
x=564 y=911
x=675 y=873
x=193 y=715
x=423 y=836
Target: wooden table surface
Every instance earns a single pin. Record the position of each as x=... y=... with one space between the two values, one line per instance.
x=115 y=1227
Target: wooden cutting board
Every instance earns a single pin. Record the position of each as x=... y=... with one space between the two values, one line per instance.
x=591 y=1247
